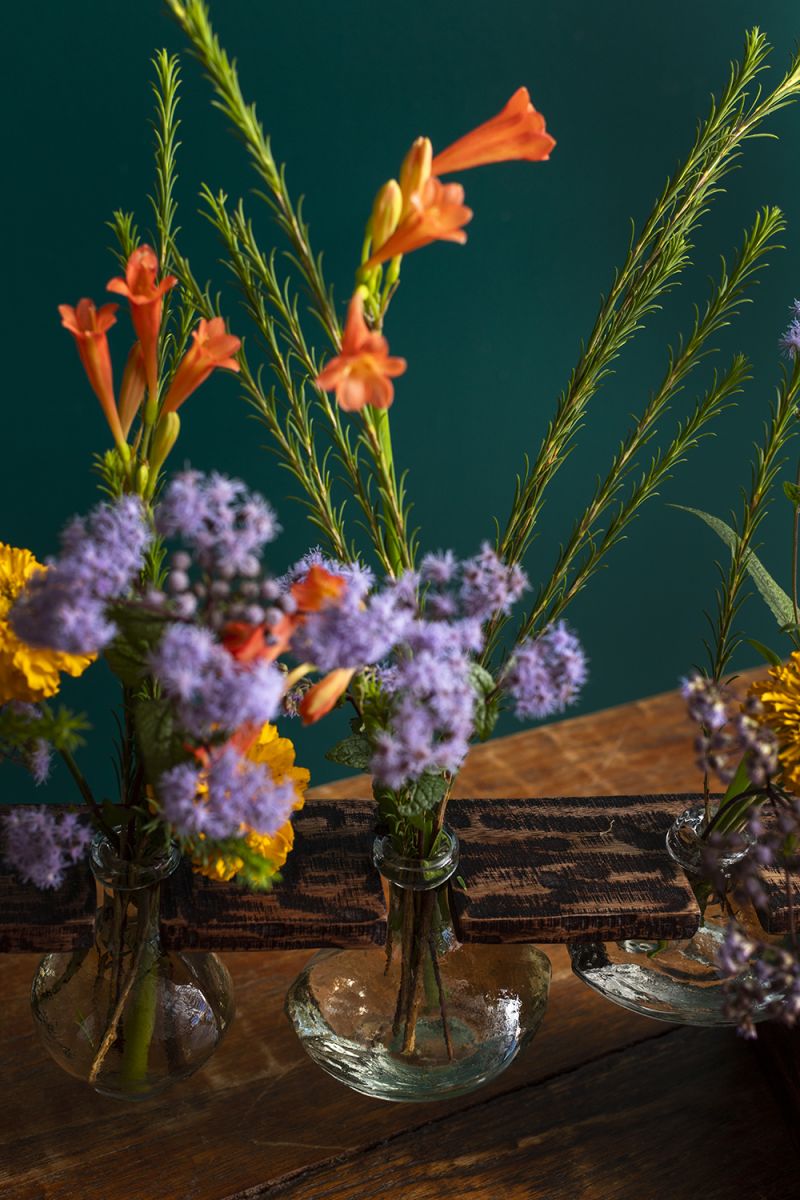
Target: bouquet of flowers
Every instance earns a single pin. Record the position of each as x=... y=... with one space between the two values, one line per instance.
x=167 y=581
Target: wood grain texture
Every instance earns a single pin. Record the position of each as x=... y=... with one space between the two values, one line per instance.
x=32 y=919
x=624 y=1128
x=550 y=870
x=330 y=894
x=260 y=1112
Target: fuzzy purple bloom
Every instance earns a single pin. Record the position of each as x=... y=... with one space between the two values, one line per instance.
x=40 y=845
x=489 y=586
x=210 y=689
x=64 y=608
x=236 y=793
x=790 y=341
x=546 y=673
x=225 y=525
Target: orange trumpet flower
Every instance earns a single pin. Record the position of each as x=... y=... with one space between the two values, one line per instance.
x=321 y=697
x=435 y=214
x=213 y=347
x=146 y=299
x=131 y=392
x=88 y=326
x=362 y=372
x=317 y=588
x=517 y=132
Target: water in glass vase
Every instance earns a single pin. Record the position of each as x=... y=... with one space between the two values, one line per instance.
x=677 y=981
x=425 y=1017
x=125 y=1015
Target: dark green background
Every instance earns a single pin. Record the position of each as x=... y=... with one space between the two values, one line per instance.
x=490 y=331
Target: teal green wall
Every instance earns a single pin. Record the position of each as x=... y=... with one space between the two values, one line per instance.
x=490 y=331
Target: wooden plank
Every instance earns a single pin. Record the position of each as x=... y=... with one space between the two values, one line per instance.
x=34 y=919
x=637 y=1126
x=585 y=868
x=260 y=1112
x=330 y=894
x=537 y=871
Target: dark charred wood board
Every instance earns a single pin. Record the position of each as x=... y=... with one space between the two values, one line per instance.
x=544 y=870
x=571 y=868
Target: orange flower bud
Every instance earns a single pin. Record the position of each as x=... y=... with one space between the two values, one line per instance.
x=321 y=698
x=131 y=392
x=416 y=169
x=385 y=213
x=164 y=438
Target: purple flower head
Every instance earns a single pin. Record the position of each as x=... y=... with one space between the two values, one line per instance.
x=489 y=586
x=546 y=673
x=64 y=608
x=790 y=341
x=358 y=577
x=706 y=701
x=438 y=568
x=352 y=632
x=40 y=845
x=226 y=526
x=233 y=793
x=210 y=689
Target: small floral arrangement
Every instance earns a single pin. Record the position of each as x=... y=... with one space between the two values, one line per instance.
x=753 y=744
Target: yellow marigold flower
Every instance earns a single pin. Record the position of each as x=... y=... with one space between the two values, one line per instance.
x=26 y=672
x=780 y=695
x=278 y=754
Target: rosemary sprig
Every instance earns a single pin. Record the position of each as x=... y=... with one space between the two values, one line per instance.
x=654 y=262
x=567 y=579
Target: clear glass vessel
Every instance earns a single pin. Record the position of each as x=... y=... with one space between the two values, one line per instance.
x=673 y=981
x=124 y=1015
x=425 y=1017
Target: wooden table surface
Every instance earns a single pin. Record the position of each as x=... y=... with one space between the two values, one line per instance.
x=604 y=1104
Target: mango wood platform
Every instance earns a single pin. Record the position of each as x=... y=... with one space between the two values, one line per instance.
x=603 y=1106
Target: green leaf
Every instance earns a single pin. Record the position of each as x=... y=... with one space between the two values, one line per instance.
x=792 y=492
x=161 y=744
x=138 y=633
x=354 y=751
x=776 y=599
x=768 y=655
x=740 y=783
x=425 y=796
x=485 y=712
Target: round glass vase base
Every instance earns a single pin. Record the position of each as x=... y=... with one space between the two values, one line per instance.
x=184 y=1007
x=342 y=1010
x=678 y=982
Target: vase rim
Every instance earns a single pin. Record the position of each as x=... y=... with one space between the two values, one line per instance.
x=685 y=841
x=419 y=874
x=123 y=876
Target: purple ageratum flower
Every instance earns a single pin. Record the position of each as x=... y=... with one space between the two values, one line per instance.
x=359 y=578
x=40 y=845
x=790 y=342
x=352 y=632
x=210 y=689
x=546 y=673
x=439 y=568
x=489 y=586
x=226 y=525
x=236 y=792
x=706 y=701
x=64 y=608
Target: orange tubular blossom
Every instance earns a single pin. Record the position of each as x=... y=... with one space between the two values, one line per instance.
x=517 y=132
x=131 y=391
x=321 y=697
x=435 y=214
x=213 y=347
x=88 y=326
x=362 y=372
x=146 y=299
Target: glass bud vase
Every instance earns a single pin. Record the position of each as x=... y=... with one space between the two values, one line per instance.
x=676 y=981
x=424 y=1017
x=126 y=1016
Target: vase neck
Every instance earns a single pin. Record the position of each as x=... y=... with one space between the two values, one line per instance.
x=130 y=894
x=686 y=842
x=418 y=894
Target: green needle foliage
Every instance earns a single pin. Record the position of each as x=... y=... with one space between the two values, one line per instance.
x=296 y=411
